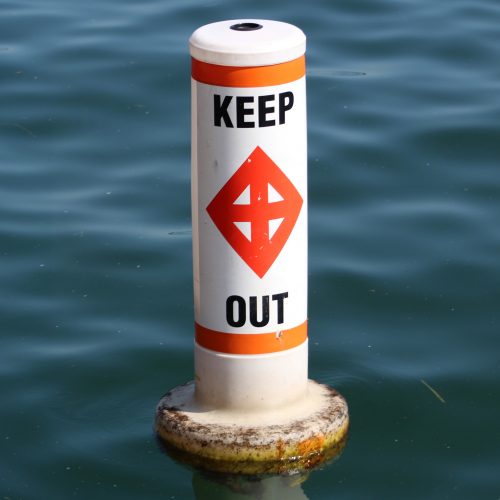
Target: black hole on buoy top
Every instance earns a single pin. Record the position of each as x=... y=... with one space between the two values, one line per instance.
x=246 y=27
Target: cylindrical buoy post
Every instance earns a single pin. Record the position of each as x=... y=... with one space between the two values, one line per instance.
x=249 y=192
x=249 y=211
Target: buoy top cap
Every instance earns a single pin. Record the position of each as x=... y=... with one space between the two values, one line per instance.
x=247 y=42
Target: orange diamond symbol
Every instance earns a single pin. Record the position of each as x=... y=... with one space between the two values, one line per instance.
x=256 y=211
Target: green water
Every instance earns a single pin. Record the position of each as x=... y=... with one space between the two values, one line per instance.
x=96 y=307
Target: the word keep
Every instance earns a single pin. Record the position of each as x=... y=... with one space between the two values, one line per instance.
x=252 y=111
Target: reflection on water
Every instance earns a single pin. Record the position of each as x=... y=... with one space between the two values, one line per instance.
x=222 y=480
x=208 y=486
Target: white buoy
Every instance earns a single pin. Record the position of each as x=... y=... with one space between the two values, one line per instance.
x=251 y=401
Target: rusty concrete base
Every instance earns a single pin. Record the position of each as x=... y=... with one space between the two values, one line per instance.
x=290 y=439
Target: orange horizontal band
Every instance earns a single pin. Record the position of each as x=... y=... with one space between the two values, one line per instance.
x=250 y=343
x=251 y=76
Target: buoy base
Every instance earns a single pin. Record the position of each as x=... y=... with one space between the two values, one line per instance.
x=283 y=440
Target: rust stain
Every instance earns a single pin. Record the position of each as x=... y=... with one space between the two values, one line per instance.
x=312 y=445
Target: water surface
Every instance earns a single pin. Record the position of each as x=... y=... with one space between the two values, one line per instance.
x=95 y=266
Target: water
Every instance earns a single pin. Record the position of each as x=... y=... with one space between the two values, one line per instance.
x=95 y=266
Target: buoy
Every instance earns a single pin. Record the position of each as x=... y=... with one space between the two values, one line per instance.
x=251 y=407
